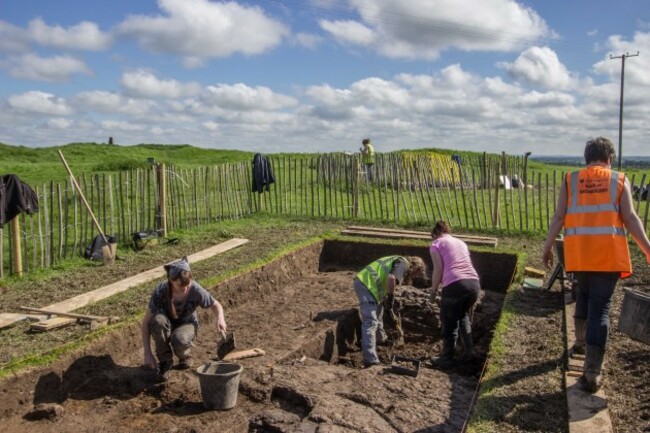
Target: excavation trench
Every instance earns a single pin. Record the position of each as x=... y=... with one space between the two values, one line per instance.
x=301 y=309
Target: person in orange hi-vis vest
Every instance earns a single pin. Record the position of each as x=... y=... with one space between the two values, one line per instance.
x=595 y=209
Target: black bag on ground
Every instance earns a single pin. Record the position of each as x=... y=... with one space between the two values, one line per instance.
x=94 y=250
x=149 y=238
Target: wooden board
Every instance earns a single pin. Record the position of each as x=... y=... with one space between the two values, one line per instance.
x=422 y=235
x=53 y=323
x=120 y=286
x=241 y=354
x=8 y=319
x=428 y=234
x=588 y=413
x=533 y=272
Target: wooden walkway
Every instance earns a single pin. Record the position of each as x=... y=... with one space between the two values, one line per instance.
x=588 y=413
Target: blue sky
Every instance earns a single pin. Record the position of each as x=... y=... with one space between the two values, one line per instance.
x=320 y=75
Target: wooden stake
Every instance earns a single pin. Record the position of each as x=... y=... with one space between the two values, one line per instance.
x=17 y=253
x=90 y=211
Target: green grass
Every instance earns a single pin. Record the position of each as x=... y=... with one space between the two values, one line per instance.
x=38 y=165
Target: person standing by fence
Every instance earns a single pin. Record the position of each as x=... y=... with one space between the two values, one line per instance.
x=368 y=157
x=595 y=207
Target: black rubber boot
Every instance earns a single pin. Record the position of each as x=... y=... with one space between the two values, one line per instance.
x=592 y=378
x=578 y=347
x=446 y=357
x=468 y=345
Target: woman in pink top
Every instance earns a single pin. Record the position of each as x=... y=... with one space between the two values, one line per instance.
x=453 y=268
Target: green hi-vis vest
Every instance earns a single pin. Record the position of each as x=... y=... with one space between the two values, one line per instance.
x=369 y=158
x=375 y=276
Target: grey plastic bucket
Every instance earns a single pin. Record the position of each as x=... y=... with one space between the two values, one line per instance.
x=634 y=319
x=219 y=384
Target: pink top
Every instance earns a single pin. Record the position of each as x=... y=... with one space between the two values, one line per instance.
x=456 y=262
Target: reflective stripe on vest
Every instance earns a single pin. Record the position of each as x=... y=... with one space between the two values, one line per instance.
x=375 y=276
x=595 y=238
x=611 y=206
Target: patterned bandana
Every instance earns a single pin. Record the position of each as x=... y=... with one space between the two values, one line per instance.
x=174 y=269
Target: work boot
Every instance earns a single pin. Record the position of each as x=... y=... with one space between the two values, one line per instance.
x=185 y=363
x=468 y=345
x=578 y=347
x=591 y=379
x=445 y=359
x=164 y=369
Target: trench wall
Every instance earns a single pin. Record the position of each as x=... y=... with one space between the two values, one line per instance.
x=496 y=269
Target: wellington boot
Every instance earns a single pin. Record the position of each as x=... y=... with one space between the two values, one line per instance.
x=578 y=347
x=468 y=346
x=592 y=374
x=445 y=359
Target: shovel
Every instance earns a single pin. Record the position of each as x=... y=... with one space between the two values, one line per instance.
x=226 y=344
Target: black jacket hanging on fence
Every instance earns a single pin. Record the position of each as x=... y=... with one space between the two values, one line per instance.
x=15 y=197
x=262 y=173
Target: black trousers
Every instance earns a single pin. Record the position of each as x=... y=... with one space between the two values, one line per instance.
x=456 y=301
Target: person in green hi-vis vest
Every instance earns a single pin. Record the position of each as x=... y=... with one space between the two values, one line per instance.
x=375 y=286
x=368 y=157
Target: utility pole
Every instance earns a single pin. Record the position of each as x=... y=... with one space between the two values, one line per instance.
x=620 y=113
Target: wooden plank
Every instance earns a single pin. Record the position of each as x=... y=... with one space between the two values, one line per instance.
x=241 y=354
x=152 y=274
x=385 y=230
x=534 y=272
x=62 y=314
x=588 y=413
x=423 y=235
x=54 y=323
x=7 y=319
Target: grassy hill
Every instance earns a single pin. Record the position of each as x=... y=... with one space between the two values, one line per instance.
x=39 y=165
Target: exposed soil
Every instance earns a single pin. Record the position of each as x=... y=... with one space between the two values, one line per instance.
x=102 y=387
x=309 y=380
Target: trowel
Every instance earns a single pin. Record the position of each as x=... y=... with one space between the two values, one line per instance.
x=226 y=344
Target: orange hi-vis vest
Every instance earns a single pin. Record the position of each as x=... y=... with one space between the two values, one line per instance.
x=594 y=234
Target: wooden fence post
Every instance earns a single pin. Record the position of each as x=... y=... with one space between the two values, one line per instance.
x=161 y=205
x=17 y=252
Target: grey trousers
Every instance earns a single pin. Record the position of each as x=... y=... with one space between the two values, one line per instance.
x=167 y=338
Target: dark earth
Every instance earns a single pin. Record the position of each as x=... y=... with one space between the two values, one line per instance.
x=310 y=379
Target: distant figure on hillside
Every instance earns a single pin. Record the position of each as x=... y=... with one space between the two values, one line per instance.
x=375 y=287
x=595 y=207
x=367 y=157
x=453 y=269
x=171 y=319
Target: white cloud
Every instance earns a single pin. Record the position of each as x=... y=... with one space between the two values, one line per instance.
x=12 y=38
x=423 y=28
x=144 y=84
x=539 y=66
x=307 y=40
x=59 y=123
x=204 y=29
x=112 y=103
x=241 y=97
x=83 y=36
x=636 y=68
x=349 y=31
x=37 y=102
x=120 y=125
x=55 y=69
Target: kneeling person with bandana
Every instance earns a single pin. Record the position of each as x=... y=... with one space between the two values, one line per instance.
x=171 y=319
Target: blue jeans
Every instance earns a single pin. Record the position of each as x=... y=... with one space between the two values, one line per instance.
x=593 y=303
x=372 y=325
x=456 y=301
